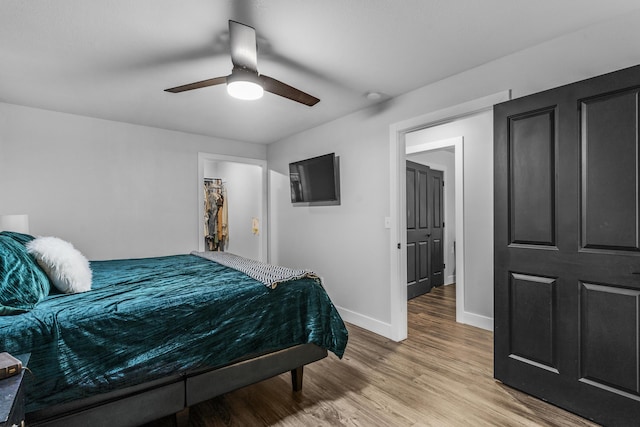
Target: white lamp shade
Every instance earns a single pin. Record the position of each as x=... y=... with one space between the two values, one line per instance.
x=17 y=223
x=246 y=90
x=244 y=84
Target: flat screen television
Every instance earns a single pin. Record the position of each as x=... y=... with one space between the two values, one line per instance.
x=315 y=181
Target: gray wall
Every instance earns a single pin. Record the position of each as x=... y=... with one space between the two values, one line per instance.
x=114 y=190
x=348 y=244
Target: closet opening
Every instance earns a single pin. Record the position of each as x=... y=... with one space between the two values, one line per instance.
x=232 y=205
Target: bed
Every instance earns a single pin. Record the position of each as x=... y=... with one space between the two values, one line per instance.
x=155 y=336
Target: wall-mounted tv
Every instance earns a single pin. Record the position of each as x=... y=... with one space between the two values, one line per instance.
x=315 y=181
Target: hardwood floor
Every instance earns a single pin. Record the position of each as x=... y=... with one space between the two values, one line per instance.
x=440 y=376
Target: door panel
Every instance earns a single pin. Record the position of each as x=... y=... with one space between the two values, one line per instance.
x=567 y=259
x=610 y=176
x=411 y=199
x=411 y=263
x=533 y=302
x=422 y=194
x=532 y=177
x=609 y=344
x=437 y=261
x=423 y=259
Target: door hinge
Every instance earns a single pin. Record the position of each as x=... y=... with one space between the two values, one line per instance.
x=443 y=183
x=442 y=224
x=444 y=265
x=399 y=246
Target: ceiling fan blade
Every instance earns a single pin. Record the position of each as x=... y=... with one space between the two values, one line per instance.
x=198 y=85
x=277 y=87
x=244 y=47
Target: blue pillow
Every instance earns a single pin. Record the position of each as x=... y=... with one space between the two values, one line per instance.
x=18 y=237
x=23 y=283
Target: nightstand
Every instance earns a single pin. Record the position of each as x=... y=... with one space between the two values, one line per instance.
x=12 y=397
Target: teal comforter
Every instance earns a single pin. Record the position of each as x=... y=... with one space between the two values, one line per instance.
x=148 y=318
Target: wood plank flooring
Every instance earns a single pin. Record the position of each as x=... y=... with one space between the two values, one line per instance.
x=440 y=376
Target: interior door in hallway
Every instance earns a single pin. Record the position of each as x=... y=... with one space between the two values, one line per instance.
x=425 y=250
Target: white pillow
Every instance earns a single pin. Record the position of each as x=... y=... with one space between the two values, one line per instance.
x=66 y=267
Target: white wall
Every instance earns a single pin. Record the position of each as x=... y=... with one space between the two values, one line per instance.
x=348 y=244
x=114 y=190
x=344 y=244
x=477 y=132
x=444 y=161
x=243 y=183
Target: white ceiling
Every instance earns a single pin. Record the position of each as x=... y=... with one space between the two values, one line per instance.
x=112 y=59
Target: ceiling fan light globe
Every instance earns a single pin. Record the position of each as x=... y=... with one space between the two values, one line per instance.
x=243 y=89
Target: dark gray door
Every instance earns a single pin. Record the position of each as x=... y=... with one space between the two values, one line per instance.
x=425 y=267
x=567 y=252
x=435 y=192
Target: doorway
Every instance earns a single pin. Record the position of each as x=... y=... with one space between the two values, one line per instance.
x=398 y=136
x=246 y=190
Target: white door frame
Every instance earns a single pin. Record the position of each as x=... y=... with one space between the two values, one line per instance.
x=397 y=185
x=262 y=236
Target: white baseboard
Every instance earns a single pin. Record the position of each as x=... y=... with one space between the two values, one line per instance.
x=451 y=279
x=365 y=322
x=384 y=329
x=477 y=320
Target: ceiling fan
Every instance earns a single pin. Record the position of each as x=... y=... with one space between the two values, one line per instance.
x=245 y=82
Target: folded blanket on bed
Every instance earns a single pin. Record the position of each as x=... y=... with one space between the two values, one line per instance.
x=268 y=274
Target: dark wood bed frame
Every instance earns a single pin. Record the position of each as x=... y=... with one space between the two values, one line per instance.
x=174 y=394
